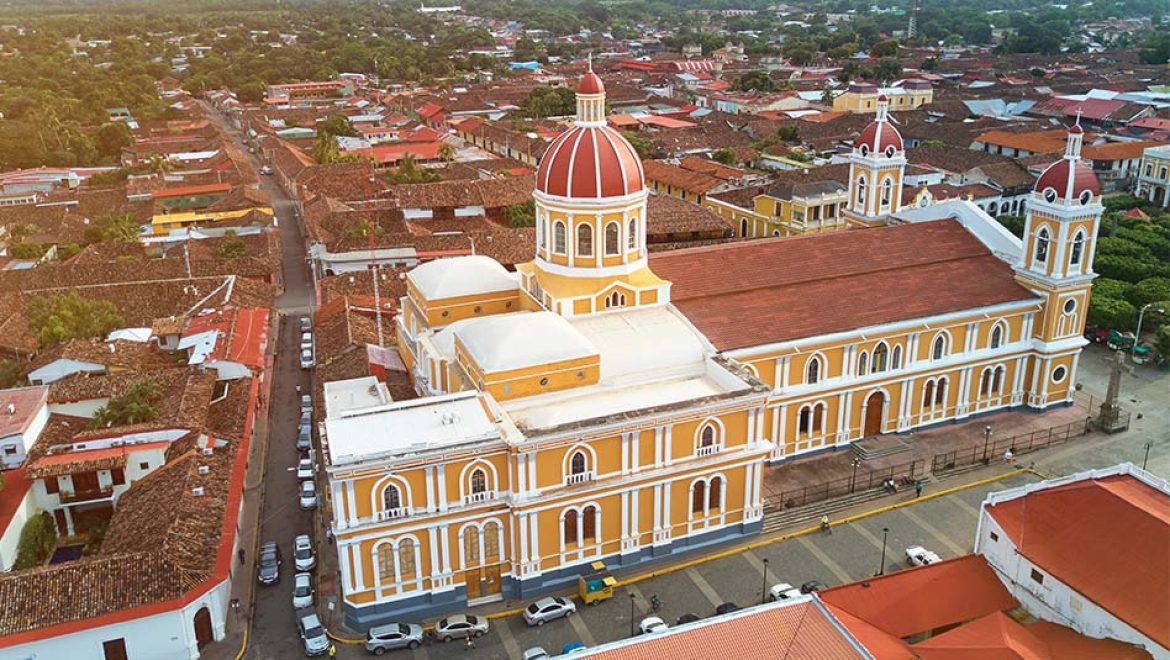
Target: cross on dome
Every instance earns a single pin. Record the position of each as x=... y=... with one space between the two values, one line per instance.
x=1069 y=178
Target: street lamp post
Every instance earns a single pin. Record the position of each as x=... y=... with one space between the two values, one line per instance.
x=986 y=440
x=631 y=614
x=1137 y=335
x=764 y=586
x=853 y=479
x=1147 y=458
x=885 y=534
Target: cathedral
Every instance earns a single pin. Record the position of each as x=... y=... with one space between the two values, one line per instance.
x=603 y=403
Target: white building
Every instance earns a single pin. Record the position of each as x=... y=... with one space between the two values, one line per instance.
x=1090 y=551
x=1153 y=181
x=23 y=413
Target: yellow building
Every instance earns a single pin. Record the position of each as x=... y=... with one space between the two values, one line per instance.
x=603 y=404
x=863 y=97
x=787 y=208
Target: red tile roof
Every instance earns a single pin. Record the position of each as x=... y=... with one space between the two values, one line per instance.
x=925 y=598
x=16 y=485
x=1120 y=528
x=25 y=402
x=191 y=190
x=998 y=636
x=759 y=292
x=800 y=630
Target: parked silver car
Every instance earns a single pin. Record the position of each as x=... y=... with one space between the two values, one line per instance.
x=459 y=626
x=312 y=632
x=305 y=468
x=303 y=557
x=393 y=636
x=547 y=609
x=306 y=404
x=308 y=496
x=302 y=595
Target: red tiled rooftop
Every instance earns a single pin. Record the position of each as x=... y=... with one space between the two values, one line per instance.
x=998 y=636
x=90 y=455
x=801 y=630
x=1120 y=528
x=759 y=292
x=16 y=484
x=191 y=190
x=25 y=402
x=922 y=599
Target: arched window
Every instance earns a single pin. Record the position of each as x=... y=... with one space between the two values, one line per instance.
x=1042 y=238
x=939 y=350
x=589 y=523
x=997 y=383
x=707 y=436
x=863 y=364
x=471 y=546
x=1149 y=169
x=540 y=232
x=570 y=535
x=559 y=237
x=985 y=382
x=698 y=496
x=993 y=209
x=881 y=356
x=715 y=494
x=612 y=236
x=584 y=240
x=804 y=425
x=887 y=191
x=478 y=481
x=940 y=392
x=577 y=463
x=1078 y=248
x=632 y=235
x=861 y=190
x=406 y=567
x=743 y=227
x=996 y=336
x=896 y=357
x=391 y=498
x=928 y=394
x=615 y=299
x=386 y=563
x=812 y=373
x=818 y=417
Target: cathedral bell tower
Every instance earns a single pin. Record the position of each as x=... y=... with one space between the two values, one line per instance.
x=1060 y=239
x=590 y=201
x=876 y=167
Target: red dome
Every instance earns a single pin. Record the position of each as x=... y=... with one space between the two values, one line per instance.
x=1060 y=174
x=1076 y=128
x=590 y=84
x=877 y=136
x=590 y=162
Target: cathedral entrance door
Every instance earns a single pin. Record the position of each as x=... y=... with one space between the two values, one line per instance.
x=472 y=580
x=874 y=407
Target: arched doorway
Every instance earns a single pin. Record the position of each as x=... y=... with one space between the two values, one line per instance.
x=203 y=632
x=874 y=407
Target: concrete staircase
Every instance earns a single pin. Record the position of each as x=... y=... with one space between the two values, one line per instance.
x=776 y=518
x=879 y=448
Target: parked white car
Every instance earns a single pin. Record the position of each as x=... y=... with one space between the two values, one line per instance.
x=651 y=625
x=783 y=591
x=305 y=468
x=303 y=557
x=313 y=634
x=308 y=496
x=917 y=555
x=306 y=404
x=459 y=626
x=306 y=358
x=302 y=595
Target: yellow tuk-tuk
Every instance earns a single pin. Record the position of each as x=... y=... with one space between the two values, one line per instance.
x=596 y=585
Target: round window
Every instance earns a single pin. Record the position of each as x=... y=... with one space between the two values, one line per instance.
x=1049 y=195
x=580 y=375
x=507 y=389
x=1069 y=306
x=1086 y=196
x=478 y=309
x=544 y=382
x=865 y=150
x=1058 y=374
x=446 y=314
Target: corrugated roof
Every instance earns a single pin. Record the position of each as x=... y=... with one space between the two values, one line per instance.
x=925 y=598
x=1120 y=528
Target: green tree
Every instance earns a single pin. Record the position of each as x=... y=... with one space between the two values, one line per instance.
x=1013 y=223
x=930 y=64
x=888 y=69
x=754 y=81
x=521 y=215
x=11 y=374
x=114 y=228
x=643 y=146
x=827 y=97
x=1156 y=49
x=887 y=48
x=1149 y=290
x=1110 y=313
x=549 y=102
x=132 y=407
x=112 y=137
x=337 y=125
x=789 y=132
x=59 y=318
x=38 y=537
x=408 y=172
x=1162 y=344
x=446 y=152
x=27 y=250
x=724 y=155
x=232 y=248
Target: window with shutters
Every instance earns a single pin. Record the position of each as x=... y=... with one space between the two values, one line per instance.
x=386 y=562
x=715 y=497
x=698 y=497
x=570 y=535
x=406 y=559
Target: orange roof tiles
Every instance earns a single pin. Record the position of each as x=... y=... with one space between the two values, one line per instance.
x=999 y=636
x=1120 y=528
x=1037 y=142
x=926 y=598
x=799 y=630
x=89 y=455
x=758 y=292
x=1118 y=150
x=191 y=190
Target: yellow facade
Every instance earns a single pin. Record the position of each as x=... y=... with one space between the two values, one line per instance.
x=866 y=102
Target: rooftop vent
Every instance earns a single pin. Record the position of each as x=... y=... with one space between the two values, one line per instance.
x=197 y=491
x=207 y=451
x=10 y=409
x=203 y=469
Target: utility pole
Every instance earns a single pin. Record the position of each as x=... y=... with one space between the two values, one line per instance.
x=912 y=26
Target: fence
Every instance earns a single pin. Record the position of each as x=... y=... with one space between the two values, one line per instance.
x=1023 y=443
x=856 y=482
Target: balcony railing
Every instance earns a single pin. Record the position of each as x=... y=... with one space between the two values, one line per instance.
x=707 y=450
x=86 y=495
x=476 y=498
x=579 y=478
x=391 y=514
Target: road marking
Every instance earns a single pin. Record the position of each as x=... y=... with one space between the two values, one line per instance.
x=825 y=560
x=703 y=586
x=867 y=535
x=753 y=560
x=962 y=504
x=933 y=531
x=509 y=641
x=582 y=632
x=640 y=601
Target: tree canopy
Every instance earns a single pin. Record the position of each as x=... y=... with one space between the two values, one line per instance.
x=59 y=318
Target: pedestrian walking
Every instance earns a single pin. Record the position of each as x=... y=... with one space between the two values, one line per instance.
x=1009 y=457
x=470 y=642
x=332 y=650
x=918 y=489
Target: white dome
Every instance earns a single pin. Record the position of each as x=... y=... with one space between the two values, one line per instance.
x=515 y=341
x=461 y=276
